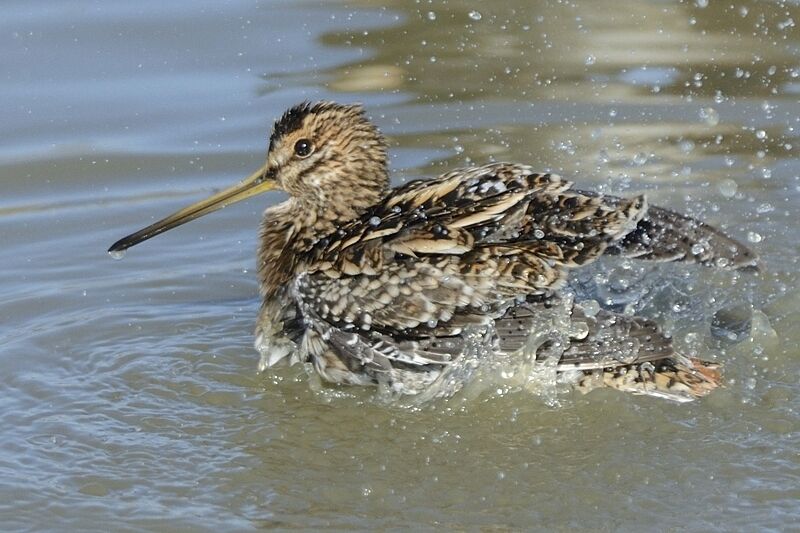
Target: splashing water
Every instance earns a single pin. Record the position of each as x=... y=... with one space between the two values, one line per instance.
x=532 y=368
x=464 y=371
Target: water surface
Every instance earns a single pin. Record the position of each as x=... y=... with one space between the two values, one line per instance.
x=129 y=393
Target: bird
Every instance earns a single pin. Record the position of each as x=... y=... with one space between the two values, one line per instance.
x=404 y=288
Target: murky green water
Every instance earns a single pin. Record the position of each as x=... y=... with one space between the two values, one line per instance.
x=129 y=394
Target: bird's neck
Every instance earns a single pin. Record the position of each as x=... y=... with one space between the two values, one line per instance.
x=291 y=228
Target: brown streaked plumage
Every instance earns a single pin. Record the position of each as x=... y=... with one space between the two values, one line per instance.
x=373 y=285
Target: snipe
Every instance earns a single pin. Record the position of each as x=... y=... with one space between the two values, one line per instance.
x=374 y=285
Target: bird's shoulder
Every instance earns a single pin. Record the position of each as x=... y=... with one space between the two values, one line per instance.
x=447 y=215
x=464 y=186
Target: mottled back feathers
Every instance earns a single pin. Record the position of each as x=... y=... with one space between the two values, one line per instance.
x=438 y=256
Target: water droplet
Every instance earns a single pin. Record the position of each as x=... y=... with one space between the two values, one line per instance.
x=374 y=221
x=117 y=254
x=731 y=324
x=761 y=134
x=579 y=330
x=475 y=15
x=697 y=249
x=754 y=237
x=590 y=307
x=727 y=188
x=590 y=60
x=709 y=115
x=431 y=15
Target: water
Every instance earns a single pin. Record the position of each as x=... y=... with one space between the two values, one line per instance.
x=129 y=393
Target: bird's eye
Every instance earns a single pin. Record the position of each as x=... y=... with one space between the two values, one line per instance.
x=303 y=148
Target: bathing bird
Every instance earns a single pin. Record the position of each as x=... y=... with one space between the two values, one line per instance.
x=373 y=285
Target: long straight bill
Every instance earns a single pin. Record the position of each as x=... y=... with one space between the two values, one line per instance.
x=257 y=183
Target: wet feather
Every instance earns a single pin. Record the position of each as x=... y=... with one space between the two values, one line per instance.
x=392 y=286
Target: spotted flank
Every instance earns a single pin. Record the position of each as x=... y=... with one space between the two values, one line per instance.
x=370 y=285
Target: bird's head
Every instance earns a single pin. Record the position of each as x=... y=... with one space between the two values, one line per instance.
x=327 y=153
x=328 y=157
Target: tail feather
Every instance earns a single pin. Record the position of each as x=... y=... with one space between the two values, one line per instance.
x=603 y=340
x=664 y=235
x=679 y=379
x=630 y=354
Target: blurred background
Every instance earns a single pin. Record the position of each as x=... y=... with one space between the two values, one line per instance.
x=129 y=397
